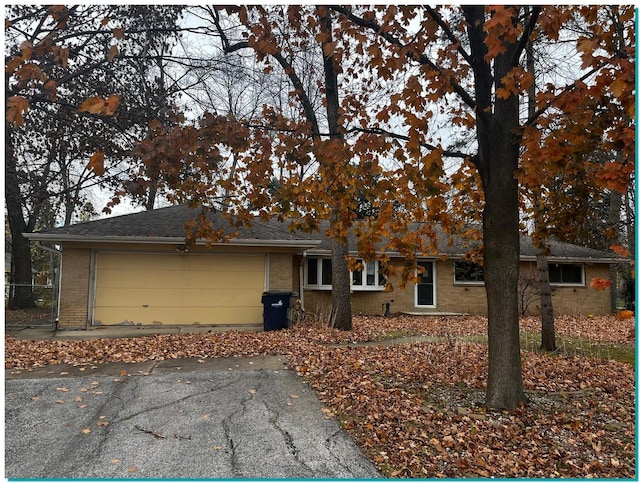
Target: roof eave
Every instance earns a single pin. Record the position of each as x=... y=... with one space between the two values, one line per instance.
x=550 y=259
x=457 y=256
x=55 y=238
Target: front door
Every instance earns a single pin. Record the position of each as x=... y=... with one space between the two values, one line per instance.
x=425 y=288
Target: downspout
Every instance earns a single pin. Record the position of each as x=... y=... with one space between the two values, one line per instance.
x=301 y=279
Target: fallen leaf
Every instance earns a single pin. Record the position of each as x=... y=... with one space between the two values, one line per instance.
x=132 y=469
x=86 y=431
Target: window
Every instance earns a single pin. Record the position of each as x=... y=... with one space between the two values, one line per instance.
x=467 y=272
x=312 y=271
x=326 y=271
x=368 y=277
x=566 y=273
x=318 y=275
x=318 y=272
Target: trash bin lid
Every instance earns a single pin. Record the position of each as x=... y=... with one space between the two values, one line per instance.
x=280 y=292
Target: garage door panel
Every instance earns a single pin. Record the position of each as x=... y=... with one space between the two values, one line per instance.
x=151 y=298
x=181 y=263
x=159 y=279
x=177 y=316
x=178 y=289
x=221 y=280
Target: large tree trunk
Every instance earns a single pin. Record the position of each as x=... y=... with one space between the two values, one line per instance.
x=340 y=286
x=546 y=305
x=497 y=161
x=340 y=283
x=20 y=290
x=501 y=264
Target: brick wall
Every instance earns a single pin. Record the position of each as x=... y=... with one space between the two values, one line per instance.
x=284 y=275
x=281 y=269
x=74 y=299
x=467 y=298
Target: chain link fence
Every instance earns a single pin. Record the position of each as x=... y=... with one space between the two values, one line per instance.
x=30 y=305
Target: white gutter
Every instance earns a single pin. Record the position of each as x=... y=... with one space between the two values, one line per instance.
x=169 y=240
x=523 y=258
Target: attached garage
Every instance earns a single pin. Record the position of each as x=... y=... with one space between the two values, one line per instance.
x=174 y=289
x=137 y=269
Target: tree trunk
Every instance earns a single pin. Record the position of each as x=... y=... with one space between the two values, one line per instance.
x=497 y=121
x=548 y=343
x=20 y=291
x=340 y=283
x=629 y=277
x=340 y=286
x=501 y=268
x=615 y=208
x=548 y=331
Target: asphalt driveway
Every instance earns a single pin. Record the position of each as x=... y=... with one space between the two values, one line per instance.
x=213 y=418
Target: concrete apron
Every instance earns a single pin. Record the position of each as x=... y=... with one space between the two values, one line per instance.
x=117 y=331
x=189 y=418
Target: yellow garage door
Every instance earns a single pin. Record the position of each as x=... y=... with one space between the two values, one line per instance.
x=178 y=289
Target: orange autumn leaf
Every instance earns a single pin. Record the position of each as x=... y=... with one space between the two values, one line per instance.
x=92 y=105
x=620 y=250
x=625 y=314
x=113 y=51
x=98 y=105
x=111 y=104
x=96 y=163
x=600 y=283
x=17 y=106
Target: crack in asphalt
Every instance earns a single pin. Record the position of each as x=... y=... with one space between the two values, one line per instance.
x=232 y=448
x=173 y=402
x=330 y=444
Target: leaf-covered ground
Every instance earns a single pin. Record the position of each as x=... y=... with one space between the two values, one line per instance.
x=416 y=409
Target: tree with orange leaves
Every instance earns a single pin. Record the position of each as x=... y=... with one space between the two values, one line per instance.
x=419 y=87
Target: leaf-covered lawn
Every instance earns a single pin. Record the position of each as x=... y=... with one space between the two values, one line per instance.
x=416 y=409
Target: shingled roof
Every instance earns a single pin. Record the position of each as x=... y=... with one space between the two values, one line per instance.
x=166 y=225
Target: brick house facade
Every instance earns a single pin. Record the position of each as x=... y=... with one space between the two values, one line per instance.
x=135 y=269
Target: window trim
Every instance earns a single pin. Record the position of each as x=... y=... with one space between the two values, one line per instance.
x=354 y=288
x=582 y=282
x=463 y=282
x=319 y=267
x=376 y=274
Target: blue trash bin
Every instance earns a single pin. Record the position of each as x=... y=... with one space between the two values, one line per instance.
x=276 y=308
